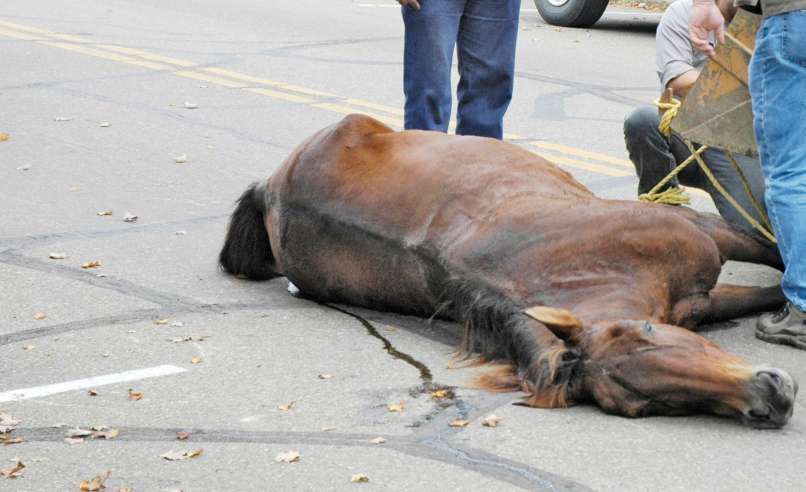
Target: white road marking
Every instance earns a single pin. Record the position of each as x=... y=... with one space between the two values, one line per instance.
x=52 y=389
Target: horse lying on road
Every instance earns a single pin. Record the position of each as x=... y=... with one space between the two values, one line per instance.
x=587 y=300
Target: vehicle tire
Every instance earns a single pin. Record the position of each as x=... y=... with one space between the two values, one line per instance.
x=571 y=13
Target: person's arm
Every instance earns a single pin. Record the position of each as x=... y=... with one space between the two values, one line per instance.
x=705 y=18
x=412 y=4
x=683 y=83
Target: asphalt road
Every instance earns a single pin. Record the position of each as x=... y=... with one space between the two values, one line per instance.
x=101 y=99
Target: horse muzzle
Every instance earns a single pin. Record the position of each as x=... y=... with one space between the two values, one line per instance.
x=771 y=398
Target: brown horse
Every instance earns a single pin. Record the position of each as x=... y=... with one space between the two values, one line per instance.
x=586 y=299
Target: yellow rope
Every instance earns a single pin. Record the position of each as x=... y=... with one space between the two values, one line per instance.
x=675 y=195
x=670 y=110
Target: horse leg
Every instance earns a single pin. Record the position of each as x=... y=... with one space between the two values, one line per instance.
x=735 y=301
x=733 y=243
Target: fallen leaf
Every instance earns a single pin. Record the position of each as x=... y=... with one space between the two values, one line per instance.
x=7 y=419
x=180 y=233
x=74 y=188
x=396 y=407
x=325 y=376
x=73 y=440
x=7 y=440
x=95 y=484
x=135 y=395
x=105 y=124
x=4 y=429
x=181 y=455
x=92 y=392
x=57 y=256
x=39 y=316
x=125 y=489
x=24 y=167
x=287 y=457
x=77 y=432
x=328 y=429
x=177 y=324
x=163 y=321
x=14 y=471
x=4 y=137
x=105 y=434
x=459 y=423
x=196 y=360
x=91 y=264
x=62 y=118
x=130 y=217
x=27 y=348
x=491 y=421
x=439 y=394
x=181 y=159
x=182 y=435
x=190 y=105
x=378 y=440
x=359 y=478
x=287 y=406
x=103 y=213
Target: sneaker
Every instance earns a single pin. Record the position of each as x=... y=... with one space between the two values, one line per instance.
x=786 y=327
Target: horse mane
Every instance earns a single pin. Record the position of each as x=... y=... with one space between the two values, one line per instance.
x=500 y=334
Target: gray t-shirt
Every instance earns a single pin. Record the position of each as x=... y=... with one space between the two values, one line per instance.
x=674 y=53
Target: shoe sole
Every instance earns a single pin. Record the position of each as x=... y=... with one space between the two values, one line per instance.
x=791 y=340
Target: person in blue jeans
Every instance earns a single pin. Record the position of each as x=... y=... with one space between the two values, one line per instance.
x=484 y=33
x=778 y=91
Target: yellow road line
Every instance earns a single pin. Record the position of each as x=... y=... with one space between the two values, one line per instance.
x=273 y=83
x=147 y=55
x=581 y=153
x=87 y=51
x=281 y=95
x=338 y=108
x=372 y=105
x=20 y=27
x=19 y=35
x=209 y=78
x=587 y=166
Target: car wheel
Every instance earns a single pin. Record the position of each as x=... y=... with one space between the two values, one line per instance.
x=571 y=13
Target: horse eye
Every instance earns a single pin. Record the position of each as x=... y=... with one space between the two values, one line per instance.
x=648 y=328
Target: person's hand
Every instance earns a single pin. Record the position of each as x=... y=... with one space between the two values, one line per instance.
x=705 y=18
x=412 y=4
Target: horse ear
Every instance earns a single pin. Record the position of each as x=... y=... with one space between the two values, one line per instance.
x=561 y=322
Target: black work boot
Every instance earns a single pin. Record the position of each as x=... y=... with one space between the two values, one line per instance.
x=786 y=327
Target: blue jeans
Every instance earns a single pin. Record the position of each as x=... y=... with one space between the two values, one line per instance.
x=778 y=90
x=484 y=33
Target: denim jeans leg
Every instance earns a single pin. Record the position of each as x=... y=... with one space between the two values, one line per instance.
x=428 y=53
x=486 y=52
x=778 y=90
x=649 y=150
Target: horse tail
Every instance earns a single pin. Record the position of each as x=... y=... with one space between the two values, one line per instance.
x=247 y=251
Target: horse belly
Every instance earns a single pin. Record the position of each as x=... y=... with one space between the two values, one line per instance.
x=333 y=260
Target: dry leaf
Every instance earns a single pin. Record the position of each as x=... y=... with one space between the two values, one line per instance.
x=439 y=394
x=328 y=428
x=92 y=392
x=62 y=118
x=177 y=324
x=74 y=188
x=396 y=407
x=27 y=348
x=491 y=421
x=130 y=217
x=287 y=406
x=359 y=478
x=4 y=429
x=181 y=455
x=163 y=321
x=459 y=423
x=378 y=440
x=78 y=433
x=135 y=395
x=105 y=124
x=325 y=376
x=287 y=457
x=103 y=213
x=24 y=167
x=182 y=435
x=91 y=264
x=190 y=105
x=57 y=256
x=180 y=233
x=4 y=136
x=181 y=159
x=105 y=433
x=7 y=440
x=73 y=440
x=95 y=484
x=196 y=360
x=125 y=489
x=7 y=419
x=39 y=316
x=13 y=472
